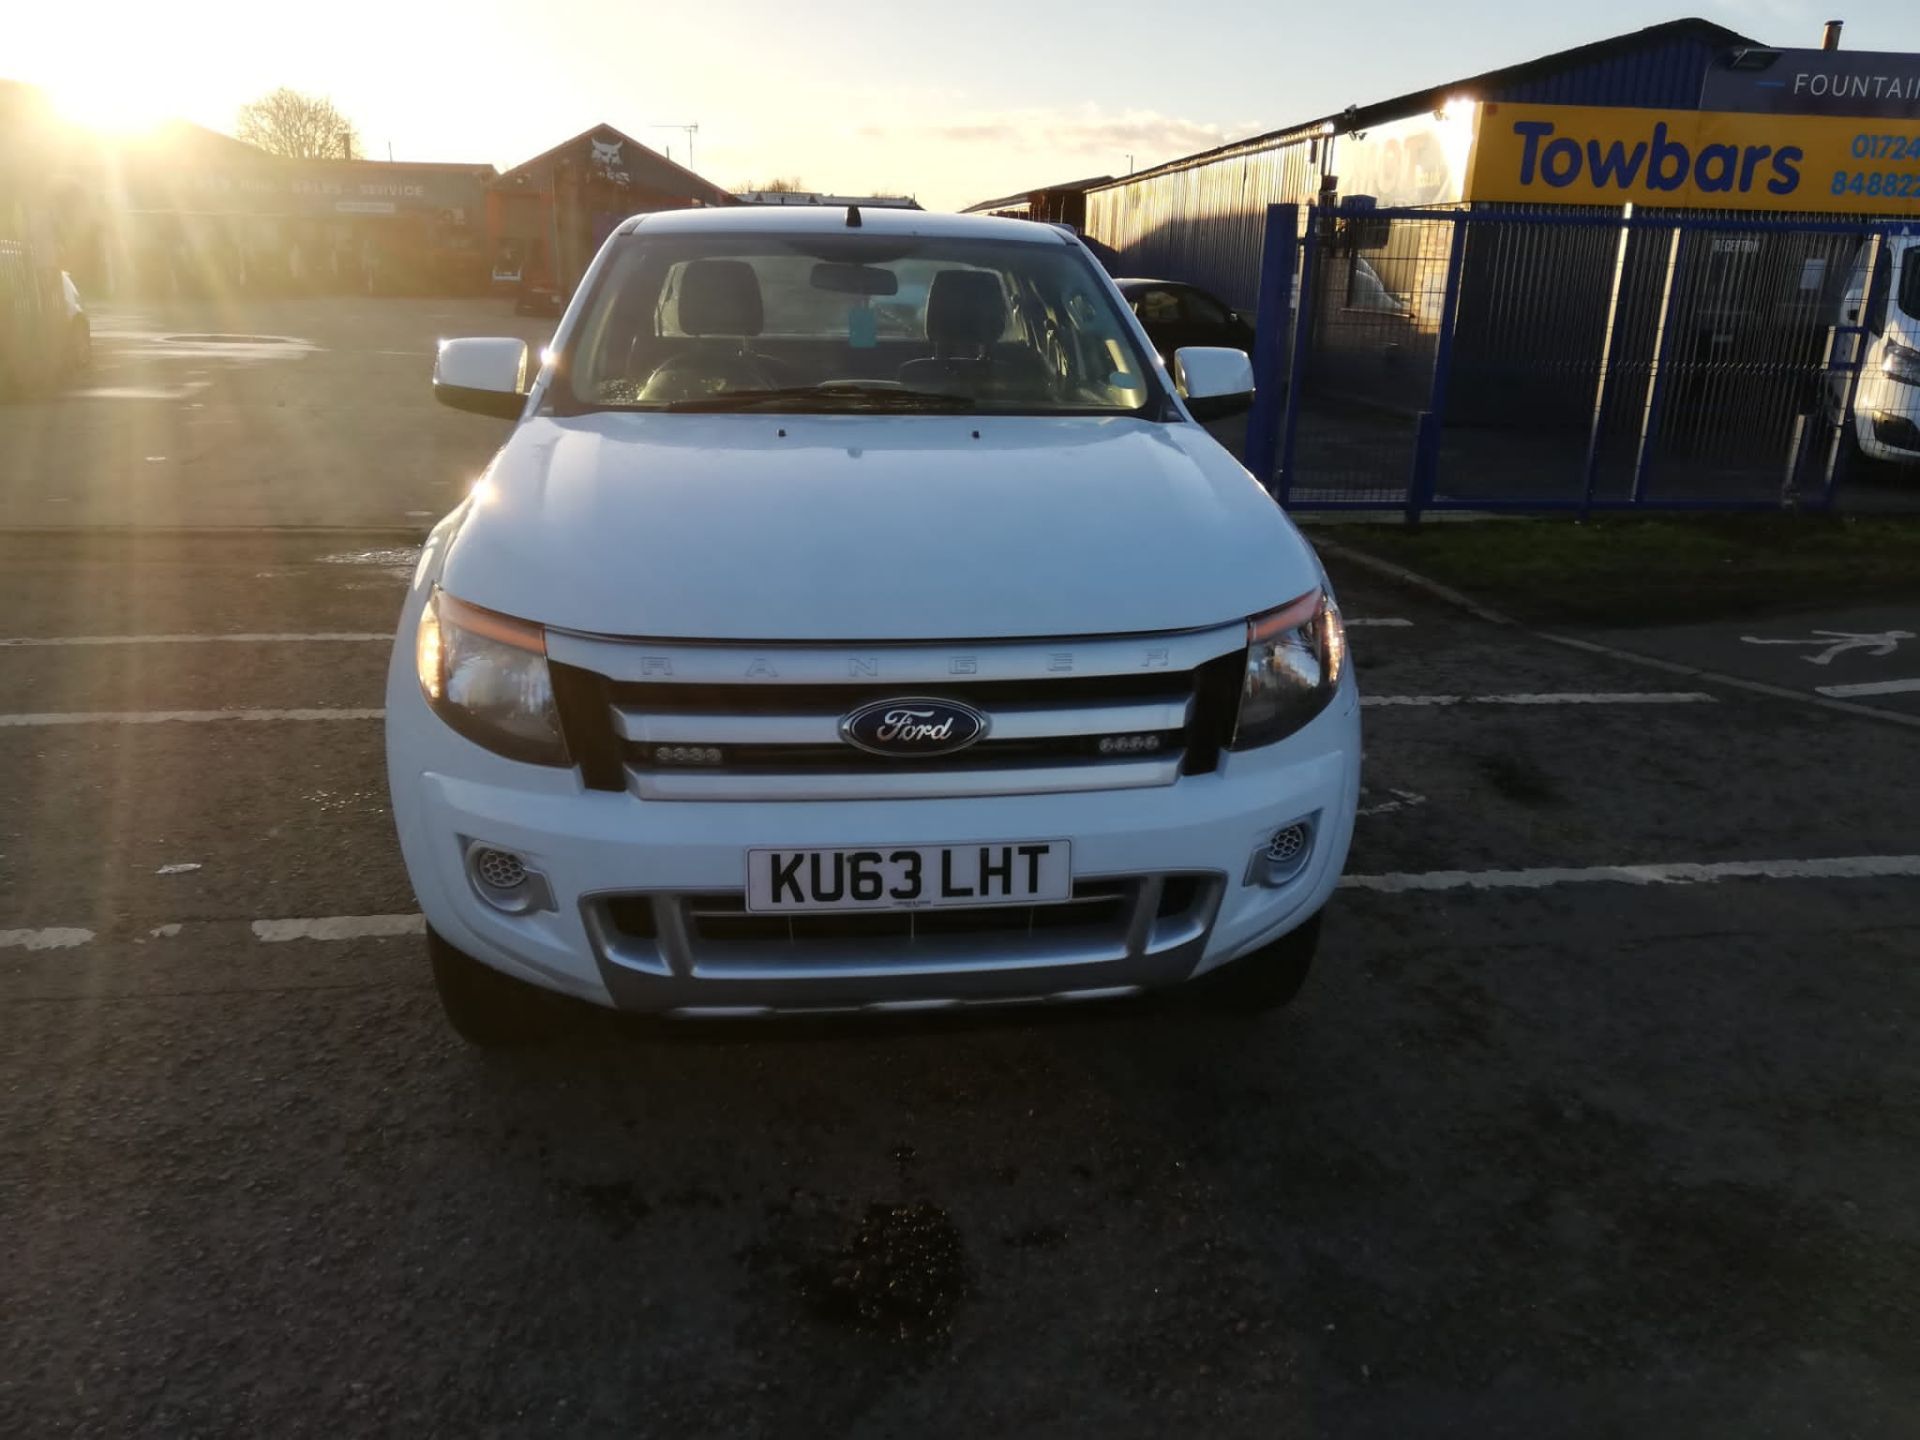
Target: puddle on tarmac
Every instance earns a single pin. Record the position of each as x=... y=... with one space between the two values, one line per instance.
x=232 y=340
x=130 y=392
x=147 y=344
x=901 y=1274
x=408 y=555
x=397 y=561
x=347 y=802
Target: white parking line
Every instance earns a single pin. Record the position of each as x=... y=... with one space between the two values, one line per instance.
x=63 y=641
x=52 y=938
x=1631 y=697
x=340 y=927
x=1870 y=687
x=1396 y=800
x=1846 y=867
x=169 y=717
x=1851 y=867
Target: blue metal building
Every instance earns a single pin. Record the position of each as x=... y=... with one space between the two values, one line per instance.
x=1201 y=218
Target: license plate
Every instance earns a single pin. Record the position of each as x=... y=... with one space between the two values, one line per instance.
x=906 y=877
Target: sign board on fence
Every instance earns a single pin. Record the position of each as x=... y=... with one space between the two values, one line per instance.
x=1816 y=82
x=1421 y=161
x=1695 y=159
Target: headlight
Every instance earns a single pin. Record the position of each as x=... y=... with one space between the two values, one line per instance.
x=1901 y=363
x=486 y=676
x=1295 y=656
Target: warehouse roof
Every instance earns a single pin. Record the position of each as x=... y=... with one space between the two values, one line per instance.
x=1659 y=66
x=648 y=167
x=1022 y=197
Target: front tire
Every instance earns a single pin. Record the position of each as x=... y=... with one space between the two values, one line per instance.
x=484 y=1007
x=1268 y=978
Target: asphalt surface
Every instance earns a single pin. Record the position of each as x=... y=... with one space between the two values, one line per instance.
x=1536 y=1152
x=296 y=412
x=1864 y=654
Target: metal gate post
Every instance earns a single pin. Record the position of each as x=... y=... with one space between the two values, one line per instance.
x=1596 y=434
x=1426 y=459
x=1796 y=460
x=1270 y=338
x=1657 y=382
x=1302 y=343
x=1838 y=452
x=1426 y=445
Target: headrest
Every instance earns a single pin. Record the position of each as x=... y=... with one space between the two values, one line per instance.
x=720 y=297
x=966 y=307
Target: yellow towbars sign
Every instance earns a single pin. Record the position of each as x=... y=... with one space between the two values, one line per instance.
x=1695 y=159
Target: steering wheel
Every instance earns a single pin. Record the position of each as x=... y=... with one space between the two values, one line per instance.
x=1053 y=348
x=696 y=374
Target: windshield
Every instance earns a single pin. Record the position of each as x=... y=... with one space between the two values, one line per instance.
x=1908 y=293
x=812 y=322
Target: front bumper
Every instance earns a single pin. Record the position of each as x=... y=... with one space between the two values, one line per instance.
x=1887 y=419
x=1178 y=856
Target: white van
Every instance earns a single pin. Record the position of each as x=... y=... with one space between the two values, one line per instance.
x=782 y=662
x=1886 y=407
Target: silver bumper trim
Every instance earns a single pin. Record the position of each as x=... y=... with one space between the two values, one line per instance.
x=907 y=784
x=1003 y=723
x=678 y=971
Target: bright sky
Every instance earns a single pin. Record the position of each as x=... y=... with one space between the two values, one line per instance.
x=953 y=102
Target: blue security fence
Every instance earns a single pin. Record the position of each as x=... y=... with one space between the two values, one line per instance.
x=1537 y=360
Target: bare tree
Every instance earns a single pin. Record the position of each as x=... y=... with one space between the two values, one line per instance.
x=779 y=185
x=299 y=127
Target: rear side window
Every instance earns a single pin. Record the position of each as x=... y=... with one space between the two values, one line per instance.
x=1202 y=309
x=1157 y=307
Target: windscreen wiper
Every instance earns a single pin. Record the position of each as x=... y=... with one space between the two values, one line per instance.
x=828 y=399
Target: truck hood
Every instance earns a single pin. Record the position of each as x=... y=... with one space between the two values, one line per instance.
x=843 y=527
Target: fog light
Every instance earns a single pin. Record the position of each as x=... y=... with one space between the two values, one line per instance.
x=1128 y=744
x=505 y=881
x=1283 y=855
x=499 y=869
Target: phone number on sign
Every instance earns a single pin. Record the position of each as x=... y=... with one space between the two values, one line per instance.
x=1886 y=147
x=1892 y=183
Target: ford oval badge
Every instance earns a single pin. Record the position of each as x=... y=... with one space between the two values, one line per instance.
x=913 y=727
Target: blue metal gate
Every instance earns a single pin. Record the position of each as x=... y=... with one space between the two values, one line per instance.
x=1551 y=360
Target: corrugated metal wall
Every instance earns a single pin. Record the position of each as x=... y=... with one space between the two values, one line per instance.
x=1663 y=76
x=1203 y=223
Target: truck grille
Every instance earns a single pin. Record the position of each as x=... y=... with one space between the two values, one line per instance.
x=670 y=722
x=714 y=937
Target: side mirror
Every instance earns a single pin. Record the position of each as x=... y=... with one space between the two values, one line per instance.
x=488 y=377
x=1214 y=380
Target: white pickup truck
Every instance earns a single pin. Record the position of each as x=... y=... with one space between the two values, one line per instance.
x=782 y=662
x=1883 y=301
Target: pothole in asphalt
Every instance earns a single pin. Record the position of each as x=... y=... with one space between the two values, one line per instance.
x=901 y=1274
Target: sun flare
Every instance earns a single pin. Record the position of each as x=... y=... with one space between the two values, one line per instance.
x=108 y=102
